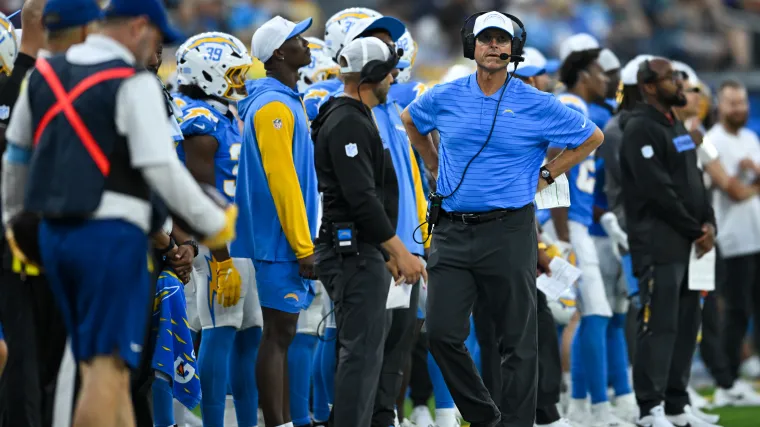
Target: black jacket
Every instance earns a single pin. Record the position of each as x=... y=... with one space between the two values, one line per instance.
x=355 y=171
x=664 y=196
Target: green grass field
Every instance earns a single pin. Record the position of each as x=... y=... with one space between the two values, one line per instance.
x=729 y=417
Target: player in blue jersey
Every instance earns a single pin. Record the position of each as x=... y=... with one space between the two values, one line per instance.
x=600 y=112
x=586 y=82
x=211 y=74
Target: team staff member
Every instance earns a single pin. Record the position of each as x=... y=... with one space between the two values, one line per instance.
x=34 y=328
x=486 y=235
x=667 y=211
x=360 y=203
x=127 y=115
x=277 y=194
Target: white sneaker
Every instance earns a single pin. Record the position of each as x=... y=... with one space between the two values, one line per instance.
x=696 y=399
x=446 y=418
x=626 y=408
x=564 y=401
x=559 y=423
x=741 y=394
x=656 y=418
x=602 y=416
x=709 y=418
x=578 y=411
x=261 y=418
x=688 y=420
x=395 y=418
x=750 y=367
x=421 y=417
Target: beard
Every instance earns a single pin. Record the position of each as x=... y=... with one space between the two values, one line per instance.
x=737 y=121
x=675 y=99
x=381 y=93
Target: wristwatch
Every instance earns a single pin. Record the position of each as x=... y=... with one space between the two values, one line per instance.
x=193 y=244
x=546 y=175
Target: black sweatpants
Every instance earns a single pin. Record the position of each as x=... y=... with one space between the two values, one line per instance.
x=741 y=295
x=668 y=326
x=495 y=262
x=398 y=348
x=358 y=285
x=549 y=361
x=36 y=337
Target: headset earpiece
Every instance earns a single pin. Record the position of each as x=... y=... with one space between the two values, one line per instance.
x=468 y=37
x=376 y=71
x=649 y=76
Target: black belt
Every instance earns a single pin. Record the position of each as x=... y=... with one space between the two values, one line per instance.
x=477 y=218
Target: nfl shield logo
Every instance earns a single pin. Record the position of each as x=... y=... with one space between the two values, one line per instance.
x=277 y=124
x=5 y=112
x=351 y=150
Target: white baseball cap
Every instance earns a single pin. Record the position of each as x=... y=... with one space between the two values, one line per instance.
x=577 y=43
x=689 y=74
x=390 y=24
x=493 y=20
x=628 y=73
x=360 y=52
x=608 y=61
x=270 y=36
x=534 y=64
x=457 y=72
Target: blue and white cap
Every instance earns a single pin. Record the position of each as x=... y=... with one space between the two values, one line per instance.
x=493 y=20
x=270 y=36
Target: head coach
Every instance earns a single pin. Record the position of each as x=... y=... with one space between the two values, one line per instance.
x=498 y=129
x=667 y=211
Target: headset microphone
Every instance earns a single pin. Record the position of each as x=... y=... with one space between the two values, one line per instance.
x=515 y=58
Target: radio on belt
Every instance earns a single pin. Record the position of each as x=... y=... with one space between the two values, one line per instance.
x=344 y=238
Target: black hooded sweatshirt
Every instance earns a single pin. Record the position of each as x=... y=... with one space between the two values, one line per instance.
x=354 y=171
x=664 y=196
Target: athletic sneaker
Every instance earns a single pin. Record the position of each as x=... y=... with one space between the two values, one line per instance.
x=696 y=399
x=688 y=420
x=626 y=408
x=656 y=418
x=741 y=394
x=446 y=418
x=421 y=417
x=560 y=423
x=578 y=412
x=709 y=418
x=602 y=416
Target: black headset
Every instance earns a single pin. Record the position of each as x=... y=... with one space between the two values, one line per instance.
x=376 y=70
x=647 y=74
x=468 y=38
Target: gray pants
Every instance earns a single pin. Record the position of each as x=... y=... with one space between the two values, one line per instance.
x=668 y=326
x=493 y=262
x=358 y=285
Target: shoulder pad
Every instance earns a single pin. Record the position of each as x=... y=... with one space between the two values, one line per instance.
x=198 y=121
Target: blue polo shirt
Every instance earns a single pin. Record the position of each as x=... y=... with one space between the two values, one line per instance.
x=505 y=174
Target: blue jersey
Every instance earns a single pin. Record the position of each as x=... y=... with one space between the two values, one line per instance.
x=405 y=93
x=317 y=94
x=582 y=176
x=601 y=114
x=200 y=118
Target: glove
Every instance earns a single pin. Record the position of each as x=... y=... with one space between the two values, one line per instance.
x=227 y=233
x=228 y=283
x=611 y=226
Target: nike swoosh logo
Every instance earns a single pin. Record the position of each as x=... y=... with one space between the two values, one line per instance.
x=583 y=126
x=204 y=126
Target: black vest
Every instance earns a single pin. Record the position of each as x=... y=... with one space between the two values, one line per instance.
x=64 y=180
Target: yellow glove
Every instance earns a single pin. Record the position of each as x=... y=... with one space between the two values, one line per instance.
x=228 y=283
x=227 y=233
x=17 y=252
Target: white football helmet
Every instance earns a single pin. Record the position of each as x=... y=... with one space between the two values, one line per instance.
x=407 y=43
x=322 y=67
x=9 y=44
x=215 y=62
x=339 y=24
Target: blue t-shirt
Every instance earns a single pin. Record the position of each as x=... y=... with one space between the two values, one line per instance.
x=505 y=173
x=200 y=118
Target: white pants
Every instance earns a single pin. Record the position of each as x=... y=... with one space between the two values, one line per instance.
x=591 y=294
x=613 y=275
x=243 y=315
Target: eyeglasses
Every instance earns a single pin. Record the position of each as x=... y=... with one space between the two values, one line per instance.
x=501 y=38
x=692 y=90
x=673 y=76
